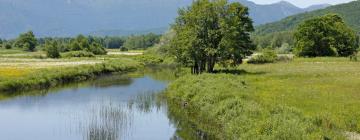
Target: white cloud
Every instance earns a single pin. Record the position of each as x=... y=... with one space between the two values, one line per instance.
x=303 y=3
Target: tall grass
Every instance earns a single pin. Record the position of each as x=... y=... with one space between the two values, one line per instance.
x=46 y=78
x=309 y=98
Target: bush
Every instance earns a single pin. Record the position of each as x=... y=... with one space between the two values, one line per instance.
x=124 y=49
x=149 y=59
x=267 y=56
x=97 y=49
x=284 y=49
x=354 y=57
x=7 y=46
x=78 y=54
x=285 y=58
x=52 y=50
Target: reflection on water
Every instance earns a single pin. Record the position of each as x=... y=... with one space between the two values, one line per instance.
x=109 y=108
x=106 y=122
x=112 y=107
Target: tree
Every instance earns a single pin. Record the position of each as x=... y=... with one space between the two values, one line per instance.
x=26 y=41
x=52 y=49
x=325 y=36
x=210 y=32
x=141 y=41
x=97 y=49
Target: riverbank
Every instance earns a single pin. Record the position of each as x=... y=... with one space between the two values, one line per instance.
x=309 y=98
x=26 y=74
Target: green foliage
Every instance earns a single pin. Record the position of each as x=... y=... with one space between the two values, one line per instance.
x=349 y=12
x=225 y=106
x=208 y=32
x=141 y=41
x=284 y=49
x=113 y=42
x=7 y=45
x=52 y=49
x=325 y=36
x=149 y=59
x=77 y=54
x=26 y=41
x=266 y=56
x=124 y=49
x=162 y=49
x=97 y=49
x=273 y=40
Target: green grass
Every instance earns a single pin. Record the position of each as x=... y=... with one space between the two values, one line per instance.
x=317 y=94
x=20 y=73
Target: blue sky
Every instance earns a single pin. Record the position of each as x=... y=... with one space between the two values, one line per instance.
x=303 y=3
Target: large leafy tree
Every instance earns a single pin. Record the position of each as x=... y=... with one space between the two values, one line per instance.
x=210 y=32
x=27 y=41
x=325 y=36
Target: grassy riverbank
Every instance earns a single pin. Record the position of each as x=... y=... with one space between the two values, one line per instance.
x=19 y=74
x=309 y=98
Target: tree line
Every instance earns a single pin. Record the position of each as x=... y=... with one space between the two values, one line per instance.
x=217 y=32
x=96 y=45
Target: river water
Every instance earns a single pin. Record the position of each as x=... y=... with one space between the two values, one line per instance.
x=117 y=107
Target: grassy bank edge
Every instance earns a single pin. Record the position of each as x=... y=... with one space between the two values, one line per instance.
x=222 y=106
x=52 y=77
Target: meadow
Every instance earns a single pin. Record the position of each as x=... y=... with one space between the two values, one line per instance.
x=20 y=71
x=307 y=98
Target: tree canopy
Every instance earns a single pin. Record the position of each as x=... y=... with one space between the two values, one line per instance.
x=325 y=36
x=26 y=41
x=141 y=41
x=210 y=32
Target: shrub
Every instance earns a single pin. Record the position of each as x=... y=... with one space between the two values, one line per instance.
x=97 y=49
x=284 y=49
x=124 y=49
x=150 y=59
x=354 y=57
x=52 y=49
x=267 y=56
x=7 y=46
x=285 y=58
x=78 y=54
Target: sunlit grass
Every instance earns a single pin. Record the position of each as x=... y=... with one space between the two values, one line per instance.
x=13 y=72
x=326 y=90
x=320 y=87
x=22 y=73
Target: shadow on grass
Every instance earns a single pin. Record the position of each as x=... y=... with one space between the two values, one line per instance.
x=238 y=72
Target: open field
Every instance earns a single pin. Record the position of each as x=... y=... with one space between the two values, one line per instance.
x=317 y=94
x=22 y=73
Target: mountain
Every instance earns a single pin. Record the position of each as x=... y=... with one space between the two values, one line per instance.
x=349 y=12
x=110 y=17
x=316 y=7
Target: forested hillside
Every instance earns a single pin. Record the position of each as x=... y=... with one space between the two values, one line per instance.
x=350 y=12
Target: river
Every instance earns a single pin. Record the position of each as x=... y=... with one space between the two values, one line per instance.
x=117 y=107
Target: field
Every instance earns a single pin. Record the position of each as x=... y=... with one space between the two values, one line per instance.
x=21 y=70
x=308 y=98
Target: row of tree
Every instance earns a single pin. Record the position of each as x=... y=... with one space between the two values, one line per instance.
x=96 y=45
x=213 y=32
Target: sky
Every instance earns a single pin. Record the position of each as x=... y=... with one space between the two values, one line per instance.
x=303 y=3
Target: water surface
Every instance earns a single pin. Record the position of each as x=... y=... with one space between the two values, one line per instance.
x=109 y=108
